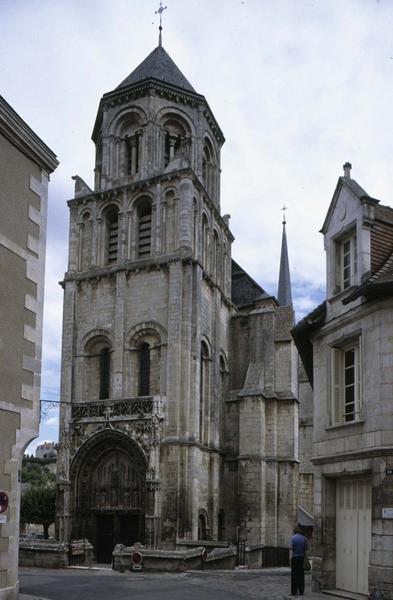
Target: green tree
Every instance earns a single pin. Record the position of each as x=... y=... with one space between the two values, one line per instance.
x=38 y=505
x=35 y=471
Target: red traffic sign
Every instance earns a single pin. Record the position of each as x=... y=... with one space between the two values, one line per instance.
x=136 y=558
x=3 y=502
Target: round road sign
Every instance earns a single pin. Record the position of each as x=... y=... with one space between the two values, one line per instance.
x=3 y=502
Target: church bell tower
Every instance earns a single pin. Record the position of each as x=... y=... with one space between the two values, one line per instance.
x=146 y=321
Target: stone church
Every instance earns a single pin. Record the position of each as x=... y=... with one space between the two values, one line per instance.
x=179 y=386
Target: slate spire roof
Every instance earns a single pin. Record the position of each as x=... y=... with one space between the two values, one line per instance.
x=284 y=294
x=158 y=65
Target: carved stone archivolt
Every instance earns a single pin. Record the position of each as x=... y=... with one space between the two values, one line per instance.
x=128 y=407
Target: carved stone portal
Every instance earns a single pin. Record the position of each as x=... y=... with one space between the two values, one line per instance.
x=108 y=477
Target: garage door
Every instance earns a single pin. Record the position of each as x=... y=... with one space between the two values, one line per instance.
x=353 y=534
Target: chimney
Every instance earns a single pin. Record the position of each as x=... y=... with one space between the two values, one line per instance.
x=347 y=170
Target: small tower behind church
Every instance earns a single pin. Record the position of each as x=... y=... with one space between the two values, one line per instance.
x=261 y=417
x=284 y=293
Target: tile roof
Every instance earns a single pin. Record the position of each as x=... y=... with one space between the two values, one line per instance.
x=158 y=65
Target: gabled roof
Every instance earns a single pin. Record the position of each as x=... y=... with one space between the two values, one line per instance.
x=356 y=190
x=158 y=65
x=244 y=289
x=24 y=138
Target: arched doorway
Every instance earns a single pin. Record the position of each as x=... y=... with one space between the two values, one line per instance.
x=108 y=477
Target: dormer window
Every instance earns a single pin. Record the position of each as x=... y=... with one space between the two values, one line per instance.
x=348 y=249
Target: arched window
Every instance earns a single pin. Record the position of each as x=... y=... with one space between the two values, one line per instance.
x=144 y=229
x=128 y=132
x=203 y=391
x=202 y=526
x=144 y=370
x=105 y=369
x=97 y=369
x=176 y=131
x=112 y=234
x=208 y=168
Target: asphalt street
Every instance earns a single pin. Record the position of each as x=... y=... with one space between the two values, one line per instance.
x=75 y=584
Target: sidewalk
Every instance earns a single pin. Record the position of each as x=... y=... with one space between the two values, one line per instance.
x=23 y=597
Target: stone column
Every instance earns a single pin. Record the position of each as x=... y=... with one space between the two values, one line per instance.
x=129 y=233
x=158 y=227
x=94 y=242
x=100 y=242
x=133 y=155
x=80 y=243
x=186 y=190
x=74 y=240
x=63 y=514
x=172 y=142
x=123 y=159
x=117 y=357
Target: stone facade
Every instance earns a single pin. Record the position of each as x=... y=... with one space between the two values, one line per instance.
x=306 y=469
x=179 y=375
x=346 y=346
x=23 y=206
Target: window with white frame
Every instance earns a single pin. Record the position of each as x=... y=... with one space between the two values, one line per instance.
x=346 y=383
x=348 y=249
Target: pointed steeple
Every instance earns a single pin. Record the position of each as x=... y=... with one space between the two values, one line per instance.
x=284 y=294
x=159 y=66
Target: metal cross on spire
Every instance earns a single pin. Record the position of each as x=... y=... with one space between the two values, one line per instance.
x=284 y=208
x=160 y=11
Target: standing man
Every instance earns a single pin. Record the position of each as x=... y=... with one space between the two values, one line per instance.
x=298 y=548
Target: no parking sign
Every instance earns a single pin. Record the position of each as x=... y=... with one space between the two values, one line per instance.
x=3 y=502
x=3 y=506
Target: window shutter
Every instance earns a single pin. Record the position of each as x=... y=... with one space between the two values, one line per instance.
x=337 y=386
x=358 y=407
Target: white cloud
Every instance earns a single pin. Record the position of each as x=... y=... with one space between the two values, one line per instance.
x=298 y=88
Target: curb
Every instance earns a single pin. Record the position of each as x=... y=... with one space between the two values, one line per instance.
x=24 y=597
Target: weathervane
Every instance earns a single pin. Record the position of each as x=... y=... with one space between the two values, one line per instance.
x=284 y=208
x=160 y=11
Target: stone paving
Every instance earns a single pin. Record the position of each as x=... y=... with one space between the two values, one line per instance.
x=272 y=584
x=70 y=584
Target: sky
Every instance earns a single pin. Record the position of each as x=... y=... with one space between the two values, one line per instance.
x=298 y=87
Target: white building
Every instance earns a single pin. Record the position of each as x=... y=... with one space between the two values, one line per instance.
x=346 y=345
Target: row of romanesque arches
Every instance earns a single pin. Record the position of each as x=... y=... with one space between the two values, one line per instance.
x=142 y=369
x=113 y=236
x=124 y=152
x=204 y=530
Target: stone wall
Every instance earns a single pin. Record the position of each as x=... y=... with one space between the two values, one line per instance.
x=23 y=206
